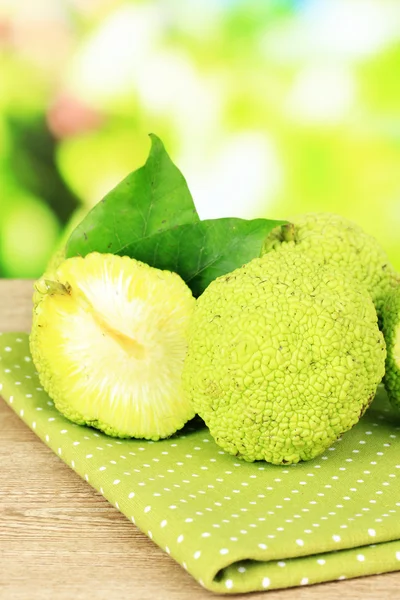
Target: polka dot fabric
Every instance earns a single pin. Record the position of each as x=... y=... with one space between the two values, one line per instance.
x=235 y=526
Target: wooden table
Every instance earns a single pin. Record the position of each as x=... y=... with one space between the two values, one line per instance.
x=61 y=539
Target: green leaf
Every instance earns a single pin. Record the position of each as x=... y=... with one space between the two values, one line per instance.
x=200 y=252
x=150 y=200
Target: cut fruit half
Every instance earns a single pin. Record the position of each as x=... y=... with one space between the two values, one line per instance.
x=109 y=339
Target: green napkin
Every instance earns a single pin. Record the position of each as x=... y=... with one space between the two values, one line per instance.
x=235 y=526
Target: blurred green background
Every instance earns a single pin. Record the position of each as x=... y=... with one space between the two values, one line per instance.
x=270 y=108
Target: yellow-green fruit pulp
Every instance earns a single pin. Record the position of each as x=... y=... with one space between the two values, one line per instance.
x=284 y=356
x=340 y=244
x=109 y=338
x=391 y=331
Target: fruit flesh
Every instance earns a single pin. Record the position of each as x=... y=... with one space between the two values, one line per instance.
x=109 y=339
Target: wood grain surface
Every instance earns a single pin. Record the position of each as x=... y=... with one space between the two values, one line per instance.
x=61 y=539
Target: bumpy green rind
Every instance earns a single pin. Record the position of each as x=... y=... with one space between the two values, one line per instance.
x=284 y=356
x=391 y=332
x=339 y=243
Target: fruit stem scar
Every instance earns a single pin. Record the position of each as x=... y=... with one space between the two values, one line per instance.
x=288 y=232
x=55 y=287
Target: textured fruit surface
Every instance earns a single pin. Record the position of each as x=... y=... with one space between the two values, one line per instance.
x=339 y=243
x=109 y=338
x=284 y=356
x=391 y=331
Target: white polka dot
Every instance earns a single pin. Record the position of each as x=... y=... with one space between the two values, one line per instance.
x=304 y=581
x=229 y=584
x=197 y=554
x=7 y=349
x=224 y=551
x=206 y=534
x=89 y=455
x=321 y=561
x=300 y=542
x=147 y=509
x=266 y=582
x=397 y=555
x=372 y=532
x=243 y=569
x=180 y=538
x=281 y=563
x=163 y=523
x=116 y=481
x=263 y=546
x=360 y=557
